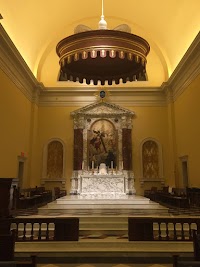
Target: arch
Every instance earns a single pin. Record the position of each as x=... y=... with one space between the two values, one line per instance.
x=151 y=160
x=54 y=160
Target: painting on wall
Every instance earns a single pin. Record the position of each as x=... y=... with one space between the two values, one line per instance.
x=150 y=158
x=102 y=144
x=55 y=160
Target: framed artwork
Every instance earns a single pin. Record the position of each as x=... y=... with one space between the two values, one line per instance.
x=102 y=144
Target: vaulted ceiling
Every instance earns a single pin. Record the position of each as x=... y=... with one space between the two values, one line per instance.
x=37 y=26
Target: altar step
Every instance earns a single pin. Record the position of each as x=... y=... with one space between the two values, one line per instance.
x=86 y=205
x=129 y=210
x=99 y=225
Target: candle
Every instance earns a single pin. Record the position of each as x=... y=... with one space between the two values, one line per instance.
x=122 y=165
x=93 y=165
x=111 y=164
x=83 y=165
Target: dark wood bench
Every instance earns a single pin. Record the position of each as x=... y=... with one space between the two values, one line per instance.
x=177 y=198
x=30 y=197
x=59 y=192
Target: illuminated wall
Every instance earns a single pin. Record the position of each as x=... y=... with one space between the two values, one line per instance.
x=25 y=127
x=187 y=131
x=15 y=118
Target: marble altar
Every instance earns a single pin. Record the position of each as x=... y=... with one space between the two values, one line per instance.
x=102 y=150
x=94 y=182
x=102 y=184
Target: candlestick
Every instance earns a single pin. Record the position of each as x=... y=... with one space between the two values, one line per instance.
x=111 y=164
x=83 y=165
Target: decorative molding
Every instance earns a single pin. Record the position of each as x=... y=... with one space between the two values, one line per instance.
x=85 y=96
x=14 y=66
x=102 y=109
x=186 y=71
x=143 y=181
x=183 y=158
x=43 y=181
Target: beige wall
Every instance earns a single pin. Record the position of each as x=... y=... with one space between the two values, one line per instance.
x=54 y=122
x=15 y=114
x=187 y=126
x=19 y=115
x=149 y=122
x=27 y=128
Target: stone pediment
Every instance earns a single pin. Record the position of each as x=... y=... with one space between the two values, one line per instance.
x=102 y=109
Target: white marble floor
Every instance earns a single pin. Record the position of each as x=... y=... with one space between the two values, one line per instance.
x=93 y=204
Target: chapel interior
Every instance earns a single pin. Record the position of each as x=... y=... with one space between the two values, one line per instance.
x=119 y=145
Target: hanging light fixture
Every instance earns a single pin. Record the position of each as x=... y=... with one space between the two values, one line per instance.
x=102 y=55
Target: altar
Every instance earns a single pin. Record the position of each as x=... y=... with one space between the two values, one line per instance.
x=102 y=151
x=94 y=183
x=101 y=184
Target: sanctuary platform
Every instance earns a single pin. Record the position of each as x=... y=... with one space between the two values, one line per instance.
x=102 y=214
x=103 y=204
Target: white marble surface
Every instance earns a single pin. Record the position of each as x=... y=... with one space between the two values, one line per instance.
x=102 y=184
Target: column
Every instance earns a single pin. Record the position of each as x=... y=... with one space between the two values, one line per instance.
x=127 y=149
x=78 y=149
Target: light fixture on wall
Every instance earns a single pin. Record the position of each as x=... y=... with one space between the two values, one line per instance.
x=102 y=55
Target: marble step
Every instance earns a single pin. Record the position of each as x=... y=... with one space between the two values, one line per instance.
x=103 y=206
x=63 y=201
x=84 y=220
x=88 y=204
x=55 y=211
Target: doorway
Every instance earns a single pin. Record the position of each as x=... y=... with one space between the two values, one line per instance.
x=184 y=162
x=20 y=174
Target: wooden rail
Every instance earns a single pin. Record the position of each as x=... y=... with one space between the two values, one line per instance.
x=162 y=229
x=46 y=229
x=139 y=228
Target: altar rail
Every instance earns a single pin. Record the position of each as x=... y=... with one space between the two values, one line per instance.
x=45 y=229
x=67 y=229
x=162 y=229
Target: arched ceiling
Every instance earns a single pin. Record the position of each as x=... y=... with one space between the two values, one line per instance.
x=37 y=26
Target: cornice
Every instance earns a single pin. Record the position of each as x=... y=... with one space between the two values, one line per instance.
x=14 y=66
x=82 y=97
x=186 y=71
x=12 y=63
x=102 y=108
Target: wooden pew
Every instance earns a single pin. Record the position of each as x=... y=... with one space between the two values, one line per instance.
x=30 y=197
x=59 y=193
